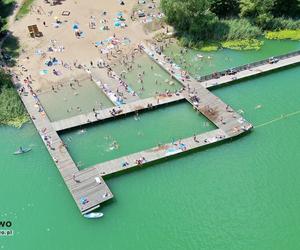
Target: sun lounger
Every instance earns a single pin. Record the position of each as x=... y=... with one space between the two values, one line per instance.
x=34 y=31
x=65 y=13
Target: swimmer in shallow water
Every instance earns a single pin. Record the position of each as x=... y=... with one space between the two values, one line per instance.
x=82 y=131
x=240 y=111
x=114 y=145
x=79 y=164
x=136 y=116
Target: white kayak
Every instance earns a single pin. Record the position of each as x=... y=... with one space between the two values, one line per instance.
x=93 y=215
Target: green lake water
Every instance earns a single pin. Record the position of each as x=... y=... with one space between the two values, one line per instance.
x=133 y=133
x=155 y=79
x=67 y=102
x=243 y=194
x=225 y=58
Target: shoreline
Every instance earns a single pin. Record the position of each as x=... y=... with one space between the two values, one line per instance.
x=16 y=123
x=242 y=44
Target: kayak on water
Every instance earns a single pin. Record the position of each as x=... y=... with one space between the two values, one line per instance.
x=22 y=151
x=93 y=215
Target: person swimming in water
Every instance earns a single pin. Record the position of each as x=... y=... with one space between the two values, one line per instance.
x=115 y=145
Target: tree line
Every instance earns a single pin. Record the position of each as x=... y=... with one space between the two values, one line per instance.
x=12 y=111
x=205 y=19
x=6 y=9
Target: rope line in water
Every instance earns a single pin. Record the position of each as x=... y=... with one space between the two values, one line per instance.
x=278 y=119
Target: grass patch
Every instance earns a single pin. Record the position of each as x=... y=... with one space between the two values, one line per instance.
x=210 y=47
x=246 y=44
x=279 y=23
x=12 y=111
x=24 y=9
x=235 y=30
x=237 y=34
x=283 y=34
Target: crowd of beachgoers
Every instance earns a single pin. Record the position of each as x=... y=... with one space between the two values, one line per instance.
x=70 y=49
x=75 y=44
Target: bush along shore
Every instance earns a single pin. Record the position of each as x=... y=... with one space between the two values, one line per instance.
x=209 y=25
x=284 y=34
x=246 y=44
x=12 y=110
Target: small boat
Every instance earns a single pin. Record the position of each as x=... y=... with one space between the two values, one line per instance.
x=22 y=151
x=93 y=215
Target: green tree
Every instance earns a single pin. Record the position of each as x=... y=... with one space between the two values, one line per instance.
x=5 y=80
x=6 y=9
x=192 y=17
x=225 y=8
x=259 y=10
x=287 y=8
x=2 y=23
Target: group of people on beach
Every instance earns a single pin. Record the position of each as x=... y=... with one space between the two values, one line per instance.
x=128 y=61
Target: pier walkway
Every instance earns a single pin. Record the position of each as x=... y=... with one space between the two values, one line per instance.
x=87 y=186
x=87 y=194
x=249 y=71
x=222 y=77
x=222 y=115
x=229 y=124
x=104 y=114
x=112 y=82
x=154 y=154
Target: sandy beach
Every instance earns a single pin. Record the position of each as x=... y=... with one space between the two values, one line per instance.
x=77 y=35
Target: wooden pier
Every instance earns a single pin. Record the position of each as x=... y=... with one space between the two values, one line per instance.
x=87 y=186
x=223 y=116
x=100 y=77
x=154 y=154
x=258 y=70
x=104 y=114
x=88 y=194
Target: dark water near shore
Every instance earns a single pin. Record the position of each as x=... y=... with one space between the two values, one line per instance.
x=243 y=194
